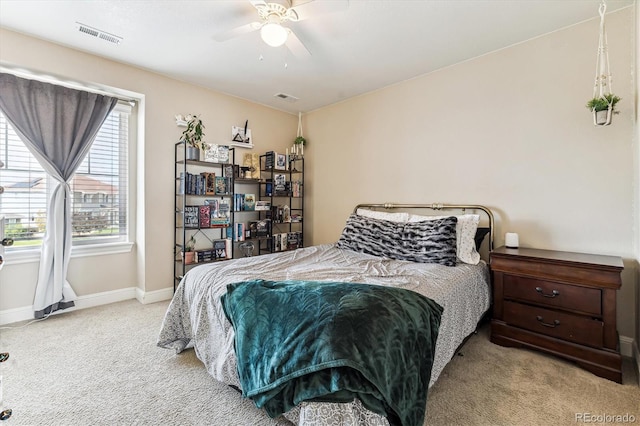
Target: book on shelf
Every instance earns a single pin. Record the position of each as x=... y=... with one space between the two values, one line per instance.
x=296 y=188
x=223 y=185
x=269 y=160
x=182 y=181
x=238 y=202
x=252 y=228
x=240 y=231
x=249 y=202
x=280 y=214
x=209 y=183
x=224 y=216
x=286 y=241
x=220 y=249
x=263 y=205
x=279 y=184
x=204 y=256
x=259 y=228
x=191 y=184
x=229 y=246
x=205 y=216
x=293 y=240
x=214 y=207
x=268 y=188
x=191 y=216
x=263 y=228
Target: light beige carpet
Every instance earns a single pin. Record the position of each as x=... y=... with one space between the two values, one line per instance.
x=101 y=366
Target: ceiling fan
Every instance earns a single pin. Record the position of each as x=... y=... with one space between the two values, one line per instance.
x=273 y=16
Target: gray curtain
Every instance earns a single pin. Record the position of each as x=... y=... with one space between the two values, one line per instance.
x=58 y=126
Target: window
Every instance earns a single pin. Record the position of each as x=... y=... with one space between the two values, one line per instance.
x=99 y=189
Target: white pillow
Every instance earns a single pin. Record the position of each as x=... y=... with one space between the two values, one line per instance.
x=465 y=235
x=392 y=217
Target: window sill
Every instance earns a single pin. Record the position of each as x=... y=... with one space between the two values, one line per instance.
x=27 y=256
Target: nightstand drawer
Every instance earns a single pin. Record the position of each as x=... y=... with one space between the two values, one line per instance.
x=547 y=293
x=574 y=328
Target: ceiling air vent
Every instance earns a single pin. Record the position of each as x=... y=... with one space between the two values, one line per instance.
x=284 y=96
x=94 y=32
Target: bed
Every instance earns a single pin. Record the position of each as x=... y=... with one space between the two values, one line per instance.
x=364 y=254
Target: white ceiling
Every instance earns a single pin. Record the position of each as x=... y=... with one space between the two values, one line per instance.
x=367 y=45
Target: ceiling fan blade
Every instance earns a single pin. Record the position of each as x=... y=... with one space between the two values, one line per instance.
x=310 y=8
x=296 y=46
x=238 y=31
x=258 y=3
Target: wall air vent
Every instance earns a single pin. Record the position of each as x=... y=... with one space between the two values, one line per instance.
x=284 y=96
x=94 y=32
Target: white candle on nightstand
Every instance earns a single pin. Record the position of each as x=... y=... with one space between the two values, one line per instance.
x=511 y=240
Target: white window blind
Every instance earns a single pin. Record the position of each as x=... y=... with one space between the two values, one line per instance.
x=99 y=189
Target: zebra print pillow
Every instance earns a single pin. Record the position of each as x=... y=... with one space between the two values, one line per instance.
x=431 y=241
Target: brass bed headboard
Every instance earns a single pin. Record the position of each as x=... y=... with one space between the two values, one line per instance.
x=435 y=206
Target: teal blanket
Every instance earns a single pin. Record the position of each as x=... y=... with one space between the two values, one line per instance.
x=332 y=342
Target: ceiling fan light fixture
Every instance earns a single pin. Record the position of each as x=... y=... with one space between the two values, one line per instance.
x=273 y=34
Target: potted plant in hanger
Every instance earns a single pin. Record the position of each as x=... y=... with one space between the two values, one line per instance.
x=603 y=108
x=189 y=250
x=192 y=137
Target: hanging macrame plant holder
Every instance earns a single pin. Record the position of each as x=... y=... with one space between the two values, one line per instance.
x=300 y=141
x=603 y=100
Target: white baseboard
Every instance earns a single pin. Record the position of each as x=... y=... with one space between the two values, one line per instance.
x=636 y=357
x=626 y=346
x=25 y=313
x=146 y=297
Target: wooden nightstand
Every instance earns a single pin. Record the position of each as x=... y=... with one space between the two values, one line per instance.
x=558 y=302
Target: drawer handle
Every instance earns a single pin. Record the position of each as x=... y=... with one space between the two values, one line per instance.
x=553 y=294
x=554 y=325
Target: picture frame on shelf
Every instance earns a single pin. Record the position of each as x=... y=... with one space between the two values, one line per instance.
x=191 y=217
x=281 y=162
x=232 y=170
x=251 y=160
x=241 y=136
x=214 y=153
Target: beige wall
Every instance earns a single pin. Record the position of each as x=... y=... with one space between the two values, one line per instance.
x=509 y=130
x=149 y=266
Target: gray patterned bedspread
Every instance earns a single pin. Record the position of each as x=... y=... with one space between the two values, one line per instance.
x=195 y=315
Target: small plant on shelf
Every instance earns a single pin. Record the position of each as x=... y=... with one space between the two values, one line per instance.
x=190 y=245
x=194 y=132
x=189 y=250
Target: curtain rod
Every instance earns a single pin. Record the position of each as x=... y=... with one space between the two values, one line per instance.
x=52 y=79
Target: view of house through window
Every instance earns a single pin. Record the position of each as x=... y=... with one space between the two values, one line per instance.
x=98 y=189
